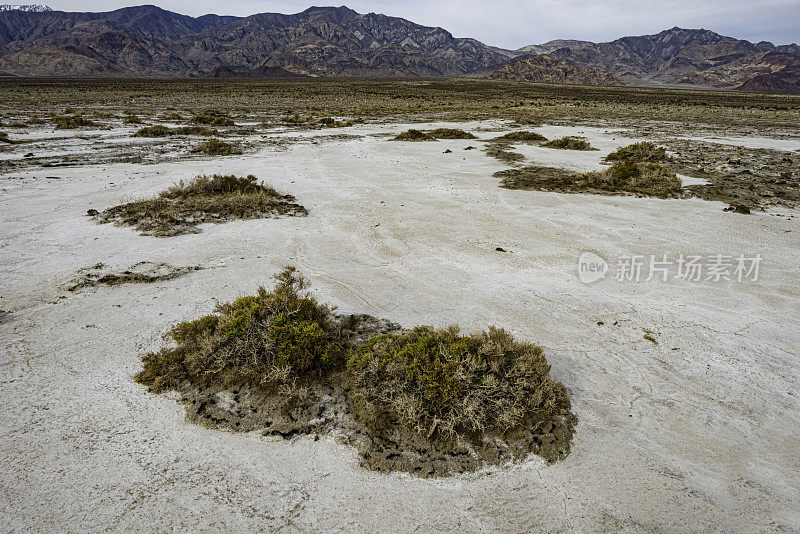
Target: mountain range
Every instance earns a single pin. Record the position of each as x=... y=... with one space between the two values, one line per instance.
x=337 y=41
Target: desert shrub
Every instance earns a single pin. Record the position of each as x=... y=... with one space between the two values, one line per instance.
x=450 y=133
x=217 y=198
x=645 y=152
x=132 y=119
x=262 y=341
x=648 y=179
x=4 y=138
x=297 y=118
x=215 y=147
x=522 y=137
x=160 y=130
x=67 y=122
x=414 y=135
x=569 y=143
x=172 y=117
x=213 y=117
x=441 y=383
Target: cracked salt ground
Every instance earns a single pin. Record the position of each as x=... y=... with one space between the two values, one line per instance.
x=697 y=439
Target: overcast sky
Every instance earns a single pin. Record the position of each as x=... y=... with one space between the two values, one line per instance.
x=515 y=23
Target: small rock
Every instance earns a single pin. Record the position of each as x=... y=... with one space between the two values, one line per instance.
x=448 y=151
x=501 y=249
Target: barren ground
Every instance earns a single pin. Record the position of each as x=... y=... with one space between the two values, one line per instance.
x=697 y=432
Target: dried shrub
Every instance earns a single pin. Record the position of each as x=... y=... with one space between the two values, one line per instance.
x=217 y=198
x=569 y=143
x=450 y=133
x=648 y=179
x=213 y=117
x=645 y=152
x=160 y=130
x=215 y=147
x=441 y=384
x=68 y=122
x=522 y=137
x=414 y=135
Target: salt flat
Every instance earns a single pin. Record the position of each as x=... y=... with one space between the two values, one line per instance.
x=699 y=431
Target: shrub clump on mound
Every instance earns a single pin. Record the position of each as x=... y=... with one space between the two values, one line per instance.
x=160 y=130
x=4 y=138
x=427 y=401
x=414 y=135
x=450 y=133
x=450 y=388
x=179 y=209
x=259 y=341
x=649 y=179
x=433 y=135
x=522 y=137
x=215 y=147
x=68 y=122
x=569 y=143
x=645 y=151
x=213 y=117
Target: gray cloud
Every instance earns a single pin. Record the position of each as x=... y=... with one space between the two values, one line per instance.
x=514 y=23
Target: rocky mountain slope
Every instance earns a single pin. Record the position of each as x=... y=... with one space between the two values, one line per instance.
x=547 y=69
x=146 y=40
x=149 y=41
x=677 y=57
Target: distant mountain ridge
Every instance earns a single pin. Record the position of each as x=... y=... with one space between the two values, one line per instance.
x=148 y=41
x=676 y=57
x=337 y=41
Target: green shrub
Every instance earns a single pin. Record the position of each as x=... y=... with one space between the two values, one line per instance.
x=440 y=383
x=262 y=340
